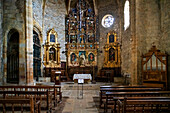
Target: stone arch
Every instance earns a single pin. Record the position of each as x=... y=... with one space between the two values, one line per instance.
x=22 y=63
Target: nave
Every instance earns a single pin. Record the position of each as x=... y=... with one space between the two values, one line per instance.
x=88 y=104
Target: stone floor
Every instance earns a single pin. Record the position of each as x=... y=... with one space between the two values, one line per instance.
x=88 y=104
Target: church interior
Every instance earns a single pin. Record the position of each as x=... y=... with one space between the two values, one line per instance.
x=85 y=56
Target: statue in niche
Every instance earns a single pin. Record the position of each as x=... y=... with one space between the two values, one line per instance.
x=82 y=59
x=52 y=54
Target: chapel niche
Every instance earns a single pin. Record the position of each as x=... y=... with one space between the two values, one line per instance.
x=82 y=45
x=51 y=54
x=154 y=68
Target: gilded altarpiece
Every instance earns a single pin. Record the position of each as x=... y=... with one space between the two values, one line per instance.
x=82 y=44
x=111 y=66
x=51 y=58
x=112 y=51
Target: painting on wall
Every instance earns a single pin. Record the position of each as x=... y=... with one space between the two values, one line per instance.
x=73 y=57
x=52 y=38
x=111 y=38
x=111 y=54
x=91 y=57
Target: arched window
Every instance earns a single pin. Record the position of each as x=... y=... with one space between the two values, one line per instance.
x=36 y=55
x=126 y=15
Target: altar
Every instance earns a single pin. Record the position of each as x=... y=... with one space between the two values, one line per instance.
x=86 y=77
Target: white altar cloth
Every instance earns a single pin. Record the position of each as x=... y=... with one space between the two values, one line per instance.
x=82 y=76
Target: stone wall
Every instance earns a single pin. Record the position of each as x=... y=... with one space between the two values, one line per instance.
x=126 y=43
x=37 y=11
x=1 y=41
x=144 y=31
x=55 y=18
x=106 y=7
x=165 y=30
x=13 y=18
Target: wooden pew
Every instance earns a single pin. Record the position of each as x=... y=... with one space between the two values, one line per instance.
x=135 y=86
x=127 y=89
x=144 y=105
x=115 y=99
x=111 y=95
x=55 y=89
x=37 y=95
x=106 y=87
x=34 y=107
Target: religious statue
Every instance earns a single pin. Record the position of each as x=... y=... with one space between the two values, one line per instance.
x=82 y=59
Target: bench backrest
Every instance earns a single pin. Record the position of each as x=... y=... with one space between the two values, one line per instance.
x=128 y=89
x=22 y=102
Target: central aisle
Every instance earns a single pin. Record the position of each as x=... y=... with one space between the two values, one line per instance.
x=89 y=103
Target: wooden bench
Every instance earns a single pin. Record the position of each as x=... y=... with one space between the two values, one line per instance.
x=111 y=95
x=135 y=86
x=115 y=99
x=55 y=89
x=37 y=95
x=153 y=105
x=104 y=90
x=34 y=107
x=106 y=87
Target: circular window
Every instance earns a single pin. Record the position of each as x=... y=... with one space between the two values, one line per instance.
x=107 y=21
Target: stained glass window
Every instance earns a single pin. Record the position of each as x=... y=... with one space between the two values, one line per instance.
x=36 y=56
x=107 y=21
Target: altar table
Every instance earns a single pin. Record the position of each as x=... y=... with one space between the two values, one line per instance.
x=86 y=77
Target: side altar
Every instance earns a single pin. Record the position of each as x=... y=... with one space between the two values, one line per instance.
x=51 y=57
x=81 y=40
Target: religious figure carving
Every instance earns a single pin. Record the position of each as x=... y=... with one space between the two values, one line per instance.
x=82 y=59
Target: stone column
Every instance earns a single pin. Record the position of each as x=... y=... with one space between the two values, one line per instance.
x=29 y=41
x=1 y=41
x=134 y=43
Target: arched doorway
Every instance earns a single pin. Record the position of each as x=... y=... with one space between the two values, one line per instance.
x=36 y=56
x=13 y=57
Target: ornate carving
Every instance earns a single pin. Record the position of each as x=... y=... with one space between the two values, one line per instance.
x=112 y=51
